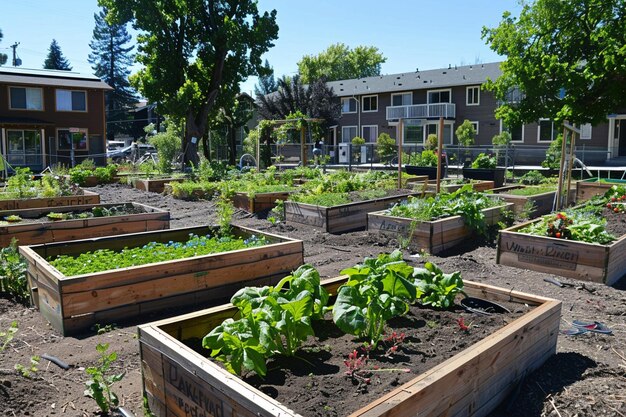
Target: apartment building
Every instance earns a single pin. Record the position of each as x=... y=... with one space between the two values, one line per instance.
x=374 y=105
x=50 y=116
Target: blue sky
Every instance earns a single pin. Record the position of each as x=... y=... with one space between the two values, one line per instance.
x=411 y=34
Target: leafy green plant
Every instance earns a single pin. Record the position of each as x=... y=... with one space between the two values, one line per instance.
x=426 y=158
x=385 y=147
x=100 y=382
x=278 y=211
x=432 y=142
x=106 y=259
x=533 y=177
x=31 y=368
x=532 y=190
x=167 y=144
x=573 y=224
x=273 y=320
x=553 y=154
x=376 y=291
x=56 y=216
x=13 y=218
x=225 y=211
x=466 y=133
x=13 y=280
x=7 y=335
x=484 y=161
x=21 y=184
x=436 y=288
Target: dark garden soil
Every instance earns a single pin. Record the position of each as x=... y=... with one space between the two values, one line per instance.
x=587 y=376
x=120 y=210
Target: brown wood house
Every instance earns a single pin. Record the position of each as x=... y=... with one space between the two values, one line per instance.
x=51 y=117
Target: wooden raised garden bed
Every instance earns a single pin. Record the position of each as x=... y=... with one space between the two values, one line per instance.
x=153 y=185
x=86 y=197
x=75 y=303
x=144 y=219
x=260 y=202
x=341 y=218
x=432 y=236
x=587 y=189
x=580 y=260
x=542 y=203
x=177 y=381
x=430 y=172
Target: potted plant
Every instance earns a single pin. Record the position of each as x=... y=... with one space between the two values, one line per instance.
x=484 y=168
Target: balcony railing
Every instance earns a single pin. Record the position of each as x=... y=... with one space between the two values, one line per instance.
x=422 y=111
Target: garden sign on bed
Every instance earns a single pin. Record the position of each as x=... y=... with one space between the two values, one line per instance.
x=273 y=325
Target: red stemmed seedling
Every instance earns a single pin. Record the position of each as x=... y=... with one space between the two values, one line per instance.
x=464 y=327
x=395 y=340
x=356 y=367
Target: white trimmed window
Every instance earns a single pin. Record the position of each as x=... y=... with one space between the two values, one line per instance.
x=433 y=128
x=517 y=132
x=472 y=96
x=547 y=131
x=440 y=96
x=585 y=131
x=402 y=99
x=369 y=133
x=475 y=124
x=370 y=103
x=347 y=133
x=348 y=105
x=71 y=100
x=23 y=147
x=413 y=132
x=23 y=98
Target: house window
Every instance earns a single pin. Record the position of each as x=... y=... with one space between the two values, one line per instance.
x=23 y=98
x=370 y=103
x=72 y=140
x=517 y=132
x=70 y=100
x=402 y=99
x=413 y=135
x=439 y=96
x=348 y=105
x=24 y=147
x=433 y=128
x=585 y=131
x=475 y=125
x=347 y=133
x=548 y=131
x=370 y=133
x=472 y=96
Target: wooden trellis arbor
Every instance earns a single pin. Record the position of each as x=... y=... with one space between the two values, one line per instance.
x=303 y=128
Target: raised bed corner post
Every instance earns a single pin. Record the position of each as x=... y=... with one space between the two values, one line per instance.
x=302 y=147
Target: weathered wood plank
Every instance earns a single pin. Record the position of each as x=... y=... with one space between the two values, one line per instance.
x=585 y=190
x=88 y=197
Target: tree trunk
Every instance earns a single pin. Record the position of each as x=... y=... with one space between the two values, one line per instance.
x=193 y=134
x=206 y=148
x=232 y=145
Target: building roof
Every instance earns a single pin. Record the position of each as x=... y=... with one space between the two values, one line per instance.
x=417 y=80
x=55 y=78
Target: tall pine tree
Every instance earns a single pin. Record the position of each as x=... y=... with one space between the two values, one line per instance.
x=267 y=83
x=55 y=59
x=111 y=59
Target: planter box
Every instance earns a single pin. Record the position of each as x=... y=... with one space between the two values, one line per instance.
x=87 y=197
x=46 y=231
x=430 y=172
x=432 y=236
x=154 y=185
x=590 y=188
x=338 y=219
x=477 y=185
x=75 y=303
x=496 y=175
x=543 y=202
x=260 y=202
x=580 y=260
x=178 y=381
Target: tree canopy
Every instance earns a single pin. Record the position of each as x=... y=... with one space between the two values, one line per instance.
x=316 y=100
x=3 y=57
x=55 y=59
x=111 y=59
x=339 y=62
x=194 y=53
x=267 y=82
x=565 y=60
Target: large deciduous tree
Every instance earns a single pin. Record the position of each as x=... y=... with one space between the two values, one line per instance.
x=565 y=60
x=3 y=57
x=193 y=51
x=111 y=59
x=339 y=62
x=55 y=59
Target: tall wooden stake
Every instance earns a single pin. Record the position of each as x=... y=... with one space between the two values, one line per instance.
x=439 y=153
x=400 y=142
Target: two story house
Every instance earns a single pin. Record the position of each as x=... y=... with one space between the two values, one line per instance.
x=49 y=117
x=374 y=105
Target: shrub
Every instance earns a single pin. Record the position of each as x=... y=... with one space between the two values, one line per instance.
x=385 y=147
x=167 y=144
x=358 y=141
x=427 y=158
x=432 y=141
x=484 y=161
x=553 y=155
x=466 y=133
x=533 y=177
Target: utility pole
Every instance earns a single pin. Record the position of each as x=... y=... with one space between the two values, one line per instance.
x=16 y=61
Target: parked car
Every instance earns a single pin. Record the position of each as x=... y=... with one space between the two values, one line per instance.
x=126 y=153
